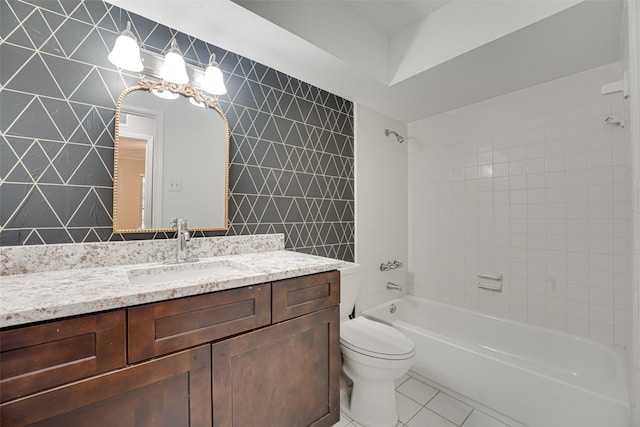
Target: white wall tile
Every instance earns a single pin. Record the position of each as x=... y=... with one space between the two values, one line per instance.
x=542 y=199
x=620 y=336
x=537 y=165
x=536 y=180
x=556 y=179
x=578 y=326
x=535 y=151
x=601 y=314
x=577 y=309
x=575 y=161
x=577 y=177
x=600 y=175
x=578 y=193
x=574 y=128
x=516 y=153
x=578 y=293
x=601 y=331
x=536 y=317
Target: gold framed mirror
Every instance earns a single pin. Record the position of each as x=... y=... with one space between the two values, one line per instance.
x=171 y=159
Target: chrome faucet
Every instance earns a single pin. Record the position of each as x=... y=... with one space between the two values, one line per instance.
x=182 y=237
x=391 y=285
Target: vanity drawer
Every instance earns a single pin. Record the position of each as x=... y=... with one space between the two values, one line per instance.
x=36 y=358
x=169 y=326
x=302 y=295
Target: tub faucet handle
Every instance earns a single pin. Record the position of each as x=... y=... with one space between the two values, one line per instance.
x=386 y=266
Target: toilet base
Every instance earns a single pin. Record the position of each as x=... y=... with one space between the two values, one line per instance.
x=370 y=403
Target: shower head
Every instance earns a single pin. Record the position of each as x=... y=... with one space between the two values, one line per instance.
x=388 y=132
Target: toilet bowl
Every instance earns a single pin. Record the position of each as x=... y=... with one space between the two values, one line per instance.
x=374 y=355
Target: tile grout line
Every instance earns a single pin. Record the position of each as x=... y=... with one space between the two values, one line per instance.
x=467 y=417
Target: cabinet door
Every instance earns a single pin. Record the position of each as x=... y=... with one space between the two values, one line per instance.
x=172 y=391
x=38 y=357
x=283 y=375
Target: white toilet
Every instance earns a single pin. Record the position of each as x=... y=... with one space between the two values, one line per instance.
x=374 y=355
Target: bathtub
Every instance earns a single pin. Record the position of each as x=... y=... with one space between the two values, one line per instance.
x=535 y=376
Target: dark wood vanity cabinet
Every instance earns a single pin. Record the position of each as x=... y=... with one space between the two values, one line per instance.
x=38 y=357
x=283 y=375
x=302 y=295
x=160 y=328
x=172 y=391
x=265 y=355
x=286 y=374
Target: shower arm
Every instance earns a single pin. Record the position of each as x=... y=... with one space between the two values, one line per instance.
x=388 y=132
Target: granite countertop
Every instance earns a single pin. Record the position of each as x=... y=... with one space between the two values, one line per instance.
x=34 y=297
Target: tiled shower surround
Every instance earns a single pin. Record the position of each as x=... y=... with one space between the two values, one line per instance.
x=291 y=143
x=533 y=185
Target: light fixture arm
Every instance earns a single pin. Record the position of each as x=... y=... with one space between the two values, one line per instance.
x=127 y=31
x=153 y=63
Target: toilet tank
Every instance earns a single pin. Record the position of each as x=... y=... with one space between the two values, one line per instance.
x=349 y=285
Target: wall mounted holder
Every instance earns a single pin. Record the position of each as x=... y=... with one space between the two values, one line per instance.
x=492 y=282
x=619 y=86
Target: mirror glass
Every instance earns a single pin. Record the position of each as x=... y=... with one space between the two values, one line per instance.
x=171 y=160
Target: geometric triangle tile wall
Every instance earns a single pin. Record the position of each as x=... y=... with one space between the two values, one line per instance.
x=291 y=152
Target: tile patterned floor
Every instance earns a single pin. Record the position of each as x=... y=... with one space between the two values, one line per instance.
x=420 y=405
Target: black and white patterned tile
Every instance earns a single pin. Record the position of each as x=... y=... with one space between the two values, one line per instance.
x=292 y=166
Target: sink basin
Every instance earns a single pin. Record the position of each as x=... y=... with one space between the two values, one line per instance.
x=214 y=270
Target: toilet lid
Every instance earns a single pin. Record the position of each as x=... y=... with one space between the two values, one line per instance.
x=375 y=339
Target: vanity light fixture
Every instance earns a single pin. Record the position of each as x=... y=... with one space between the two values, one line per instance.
x=128 y=55
x=174 y=70
x=164 y=94
x=212 y=81
x=162 y=89
x=196 y=103
x=126 y=52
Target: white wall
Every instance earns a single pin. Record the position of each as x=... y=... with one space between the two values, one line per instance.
x=381 y=205
x=198 y=163
x=535 y=186
x=634 y=104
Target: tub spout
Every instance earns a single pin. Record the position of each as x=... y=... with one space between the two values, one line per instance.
x=391 y=285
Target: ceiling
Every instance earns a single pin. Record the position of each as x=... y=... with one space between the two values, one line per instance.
x=389 y=17
x=406 y=59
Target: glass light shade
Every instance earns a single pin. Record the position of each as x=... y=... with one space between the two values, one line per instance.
x=165 y=94
x=196 y=103
x=213 y=82
x=126 y=52
x=174 y=70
